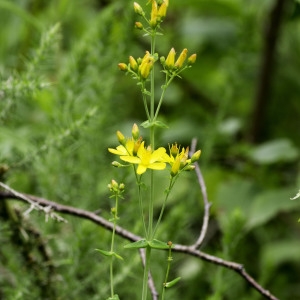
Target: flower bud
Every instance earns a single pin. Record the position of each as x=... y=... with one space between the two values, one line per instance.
x=116 y=164
x=192 y=59
x=138 y=25
x=138 y=9
x=154 y=11
x=179 y=62
x=174 y=150
x=136 y=146
x=196 y=156
x=170 y=59
x=175 y=167
x=121 y=138
x=123 y=67
x=133 y=64
x=162 y=11
x=135 y=132
x=146 y=65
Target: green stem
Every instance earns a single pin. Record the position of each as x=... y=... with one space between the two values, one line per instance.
x=172 y=181
x=112 y=248
x=146 y=272
x=138 y=180
x=167 y=273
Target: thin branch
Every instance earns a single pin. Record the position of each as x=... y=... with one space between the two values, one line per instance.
x=207 y=204
x=190 y=250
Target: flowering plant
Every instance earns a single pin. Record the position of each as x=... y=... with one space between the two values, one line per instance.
x=134 y=151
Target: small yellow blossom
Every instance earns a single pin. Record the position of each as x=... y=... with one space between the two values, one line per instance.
x=138 y=9
x=192 y=59
x=182 y=57
x=146 y=65
x=162 y=11
x=123 y=67
x=147 y=159
x=133 y=64
x=154 y=12
x=170 y=61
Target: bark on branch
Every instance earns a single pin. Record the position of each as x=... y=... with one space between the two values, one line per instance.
x=189 y=250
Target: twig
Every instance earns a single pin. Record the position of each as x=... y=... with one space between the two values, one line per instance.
x=207 y=204
x=190 y=250
x=34 y=205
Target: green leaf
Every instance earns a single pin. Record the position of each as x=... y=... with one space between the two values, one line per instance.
x=115 y=297
x=281 y=150
x=172 y=283
x=105 y=253
x=160 y=124
x=137 y=245
x=156 y=244
x=146 y=124
x=109 y=253
x=268 y=204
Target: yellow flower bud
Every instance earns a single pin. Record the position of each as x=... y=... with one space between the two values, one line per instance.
x=133 y=64
x=146 y=65
x=182 y=57
x=175 y=167
x=170 y=59
x=123 y=67
x=174 y=150
x=138 y=9
x=139 y=25
x=121 y=138
x=192 y=59
x=154 y=10
x=135 y=132
x=136 y=146
x=162 y=11
x=196 y=156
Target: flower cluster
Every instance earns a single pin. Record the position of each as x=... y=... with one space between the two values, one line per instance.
x=171 y=66
x=139 y=68
x=132 y=150
x=179 y=161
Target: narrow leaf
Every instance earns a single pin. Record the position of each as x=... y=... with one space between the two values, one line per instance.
x=136 y=245
x=156 y=244
x=172 y=283
x=105 y=253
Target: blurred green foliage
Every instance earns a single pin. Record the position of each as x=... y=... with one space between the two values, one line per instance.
x=61 y=101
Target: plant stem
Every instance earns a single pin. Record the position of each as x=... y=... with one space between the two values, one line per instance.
x=146 y=272
x=172 y=181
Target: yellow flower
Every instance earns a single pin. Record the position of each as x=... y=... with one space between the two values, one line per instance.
x=170 y=61
x=179 y=160
x=126 y=149
x=147 y=159
x=179 y=62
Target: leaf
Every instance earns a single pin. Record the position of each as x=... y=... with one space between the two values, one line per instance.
x=137 y=245
x=160 y=124
x=115 y=297
x=105 y=253
x=110 y=253
x=156 y=244
x=146 y=124
x=268 y=204
x=281 y=150
x=172 y=283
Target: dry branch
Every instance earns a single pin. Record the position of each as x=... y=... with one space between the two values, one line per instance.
x=190 y=250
